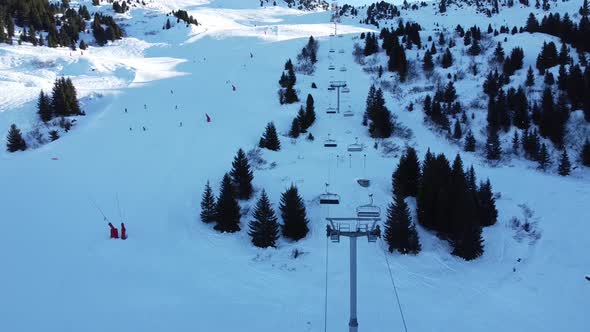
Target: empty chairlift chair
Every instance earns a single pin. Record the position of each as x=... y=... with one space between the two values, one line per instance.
x=330 y=143
x=329 y=198
x=343 y=68
x=368 y=210
x=341 y=51
x=331 y=67
x=331 y=110
x=345 y=90
x=331 y=88
x=355 y=147
x=332 y=50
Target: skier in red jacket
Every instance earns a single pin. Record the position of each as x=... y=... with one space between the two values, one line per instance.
x=123 y=232
x=114 y=232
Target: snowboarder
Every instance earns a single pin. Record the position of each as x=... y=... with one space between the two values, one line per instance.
x=123 y=232
x=114 y=231
x=208 y=118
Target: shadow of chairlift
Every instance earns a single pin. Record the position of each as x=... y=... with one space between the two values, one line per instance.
x=368 y=210
x=329 y=198
x=348 y=112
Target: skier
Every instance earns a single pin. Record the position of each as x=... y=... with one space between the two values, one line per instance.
x=180 y=123
x=114 y=232
x=251 y=55
x=143 y=128
x=233 y=87
x=208 y=118
x=123 y=232
x=125 y=109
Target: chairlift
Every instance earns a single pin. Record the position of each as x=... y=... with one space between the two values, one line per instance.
x=332 y=50
x=340 y=36
x=331 y=67
x=355 y=147
x=341 y=51
x=331 y=110
x=345 y=90
x=330 y=143
x=343 y=68
x=331 y=35
x=331 y=88
x=368 y=210
x=348 y=113
x=329 y=198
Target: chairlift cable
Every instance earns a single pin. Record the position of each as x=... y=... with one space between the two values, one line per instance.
x=395 y=290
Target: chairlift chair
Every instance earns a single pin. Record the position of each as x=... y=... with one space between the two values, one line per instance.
x=330 y=143
x=345 y=90
x=355 y=147
x=331 y=67
x=341 y=51
x=331 y=110
x=343 y=68
x=331 y=88
x=348 y=113
x=332 y=50
x=368 y=210
x=329 y=198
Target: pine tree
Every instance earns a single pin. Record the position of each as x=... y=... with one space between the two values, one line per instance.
x=208 y=206
x=53 y=135
x=309 y=111
x=474 y=49
x=488 y=214
x=585 y=153
x=264 y=229
x=447 y=59
x=515 y=142
x=14 y=140
x=228 y=209
x=530 y=77
x=543 y=158
x=44 y=107
x=427 y=64
x=564 y=164
x=469 y=142
x=457 y=133
x=499 y=53
x=295 y=128
x=270 y=139
x=242 y=176
x=493 y=147
x=400 y=233
x=301 y=118
x=406 y=177
x=293 y=214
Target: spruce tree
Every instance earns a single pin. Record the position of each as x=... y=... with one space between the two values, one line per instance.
x=515 y=142
x=208 y=206
x=228 y=209
x=499 y=53
x=488 y=214
x=14 y=140
x=264 y=229
x=469 y=142
x=44 y=107
x=543 y=158
x=406 y=177
x=270 y=139
x=293 y=214
x=457 y=133
x=585 y=154
x=493 y=147
x=530 y=77
x=309 y=111
x=302 y=120
x=295 y=128
x=427 y=64
x=400 y=233
x=53 y=135
x=564 y=168
x=242 y=176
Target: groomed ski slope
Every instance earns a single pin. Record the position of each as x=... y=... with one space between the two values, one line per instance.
x=60 y=272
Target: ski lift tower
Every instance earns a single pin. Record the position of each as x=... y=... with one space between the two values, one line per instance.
x=337 y=85
x=335 y=16
x=353 y=228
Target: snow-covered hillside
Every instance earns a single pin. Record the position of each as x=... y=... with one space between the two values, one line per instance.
x=144 y=152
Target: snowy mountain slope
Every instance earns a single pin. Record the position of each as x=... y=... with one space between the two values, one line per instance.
x=177 y=273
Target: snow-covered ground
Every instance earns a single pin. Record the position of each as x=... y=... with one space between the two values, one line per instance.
x=60 y=272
